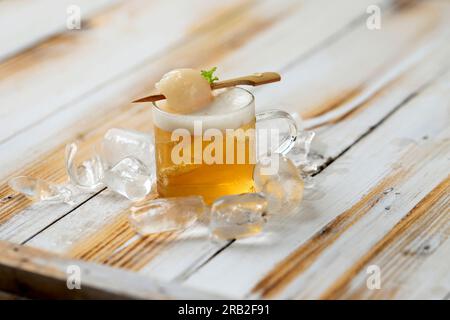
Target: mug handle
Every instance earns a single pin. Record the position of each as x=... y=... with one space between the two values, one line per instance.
x=287 y=144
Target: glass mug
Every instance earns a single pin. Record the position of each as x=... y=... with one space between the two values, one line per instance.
x=212 y=155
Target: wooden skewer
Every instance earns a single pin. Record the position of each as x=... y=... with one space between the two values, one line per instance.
x=256 y=79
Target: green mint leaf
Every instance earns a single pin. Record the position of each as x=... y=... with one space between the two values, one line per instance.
x=209 y=75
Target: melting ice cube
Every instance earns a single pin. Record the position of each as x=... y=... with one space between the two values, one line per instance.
x=88 y=175
x=238 y=216
x=167 y=214
x=40 y=190
x=299 y=153
x=279 y=180
x=130 y=178
x=119 y=144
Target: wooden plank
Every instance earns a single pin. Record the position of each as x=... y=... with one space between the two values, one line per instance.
x=152 y=243
x=383 y=215
x=413 y=241
x=329 y=79
x=38 y=274
x=335 y=213
x=51 y=165
x=25 y=23
x=431 y=280
x=341 y=133
x=394 y=94
x=34 y=86
x=7 y=231
x=300 y=35
x=239 y=28
x=114 y=97
x=190 y=244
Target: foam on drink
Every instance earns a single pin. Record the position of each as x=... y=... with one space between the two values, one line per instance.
x=226 y=111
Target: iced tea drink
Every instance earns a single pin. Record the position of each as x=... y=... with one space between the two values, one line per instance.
x=211 y=152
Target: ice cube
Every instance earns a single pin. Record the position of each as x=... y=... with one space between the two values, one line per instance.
x=130 y=178
x=166 y=214
x=279 y=180
x=309 y=181
x=119 y=144
x=40 y=190
x=238 y=216
x=88 y=175
x=299 y=153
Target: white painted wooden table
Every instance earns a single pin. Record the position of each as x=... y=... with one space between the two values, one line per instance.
x=382 y=98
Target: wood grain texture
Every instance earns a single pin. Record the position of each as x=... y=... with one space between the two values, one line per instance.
x=431 y=280
x=173 y=251
x=333 y=72
x=205 y=40
x=339 y=201
x=236 y=27
x=38 y=274
x=24 y=24
x=426 y=161
x=398 y=92
x=409 y=243
x=34 y=87
x=304 y=256
x=379 y=100
x=119 y=246
x=203 y=253
x=124 y=115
